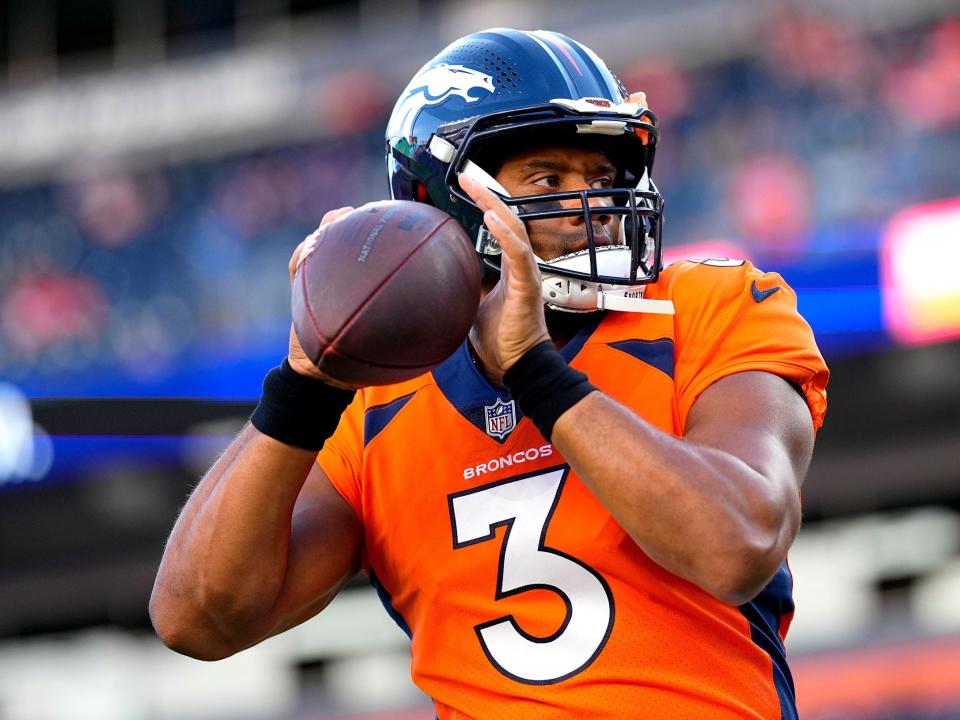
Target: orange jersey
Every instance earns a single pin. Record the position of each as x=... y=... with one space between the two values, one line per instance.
x=522 y=596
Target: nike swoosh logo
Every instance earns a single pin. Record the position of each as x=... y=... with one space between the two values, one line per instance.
x=761 y=295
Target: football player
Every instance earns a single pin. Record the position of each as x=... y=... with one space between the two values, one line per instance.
x=586 y=510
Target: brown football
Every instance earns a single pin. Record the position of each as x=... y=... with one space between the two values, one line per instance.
x=386 y=292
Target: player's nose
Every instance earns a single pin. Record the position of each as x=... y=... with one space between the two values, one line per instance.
x=593 y=202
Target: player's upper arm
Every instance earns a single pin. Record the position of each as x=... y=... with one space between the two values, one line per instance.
x=325 y=545
x=761 y=419
x=758 y=417
x=764 y=432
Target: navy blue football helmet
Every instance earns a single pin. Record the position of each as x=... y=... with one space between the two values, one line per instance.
x=497 y=91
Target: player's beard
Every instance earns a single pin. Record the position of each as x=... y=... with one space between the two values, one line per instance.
x=562 y=325
x=564 y=243
x=602 y=235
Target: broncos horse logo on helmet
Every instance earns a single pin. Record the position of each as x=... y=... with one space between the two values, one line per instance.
x=434 y=85
x=498 y=91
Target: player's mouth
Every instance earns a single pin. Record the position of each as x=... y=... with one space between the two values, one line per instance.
x=558 y=244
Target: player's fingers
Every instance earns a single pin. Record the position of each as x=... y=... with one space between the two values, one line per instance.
x=329 y=217
x=510 y=242
x=505 y=225
x=517 y=262
x=294 y=261
x=640 y=98
x=488 y=201
x=505 y=265
x=306 y=247
x=517 y=259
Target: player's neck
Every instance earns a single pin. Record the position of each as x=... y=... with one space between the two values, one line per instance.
x=563 y=326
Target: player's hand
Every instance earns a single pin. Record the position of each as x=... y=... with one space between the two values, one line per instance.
x=295 y=355
x=511 y=319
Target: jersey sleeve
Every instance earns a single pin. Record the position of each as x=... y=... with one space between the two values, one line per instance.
x=341 y=457
x=733 y=319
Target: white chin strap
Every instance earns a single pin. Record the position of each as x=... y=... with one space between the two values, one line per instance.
x=569 y=294
x=573 y=295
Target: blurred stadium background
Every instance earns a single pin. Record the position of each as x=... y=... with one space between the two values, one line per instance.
x=159 y=160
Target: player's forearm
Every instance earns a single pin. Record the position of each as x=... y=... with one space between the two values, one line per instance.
x=226 y=559
x=697 y=511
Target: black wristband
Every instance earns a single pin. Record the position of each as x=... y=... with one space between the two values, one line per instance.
x=299 y=410
x=544 y=386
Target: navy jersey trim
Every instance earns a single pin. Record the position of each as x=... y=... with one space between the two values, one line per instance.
x=376 y=418
x=468 y=391
x=387 y=602
x=655 y=353
x=466 y=388
x=764 y=614
x=463 y=384
x=576 y=343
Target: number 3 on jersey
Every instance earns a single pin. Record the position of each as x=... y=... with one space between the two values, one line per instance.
x=525 y=506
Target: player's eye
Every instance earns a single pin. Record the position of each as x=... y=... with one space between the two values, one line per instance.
x=601 y=183
x=548 y=181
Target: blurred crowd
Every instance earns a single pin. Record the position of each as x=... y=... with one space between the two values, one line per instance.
x=114 y=281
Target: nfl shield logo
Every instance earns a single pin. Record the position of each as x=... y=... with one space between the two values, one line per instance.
x=501 y=418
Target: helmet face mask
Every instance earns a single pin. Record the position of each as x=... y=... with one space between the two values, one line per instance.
x=495 y=93
x=636 y=216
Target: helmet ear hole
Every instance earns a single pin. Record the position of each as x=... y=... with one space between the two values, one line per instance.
x=420 y=192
